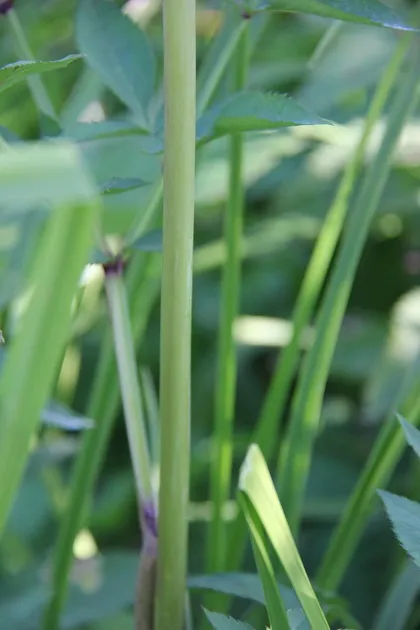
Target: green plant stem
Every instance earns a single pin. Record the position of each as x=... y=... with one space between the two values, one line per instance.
x=143 y=287
x=175 y=358
x=129 y=383
x=273 y=407
x=307 y=404
x=39 y=93
x=226 y=372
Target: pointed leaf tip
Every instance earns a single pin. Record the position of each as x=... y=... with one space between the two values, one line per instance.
x=412 y=434
x=405 y=519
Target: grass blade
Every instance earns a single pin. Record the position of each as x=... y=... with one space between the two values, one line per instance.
x=36 y=351
x=257 y=486
x=221 y=469
x=273 y=407
x=275 y=608
x=306 y=409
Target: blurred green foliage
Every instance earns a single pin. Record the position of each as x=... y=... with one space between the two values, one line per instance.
x=291 y=177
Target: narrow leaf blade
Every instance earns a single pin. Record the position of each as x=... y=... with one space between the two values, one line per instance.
x=256 y=484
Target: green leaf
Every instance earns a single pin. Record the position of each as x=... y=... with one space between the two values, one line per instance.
x=223 y=622
x=119 y=52
x=276 y=610
x=412 y=435
x=35 y=352
x=253 y=111
x=120 y=184
x=256 y=484
x=361 y=11
x=19 y=70
x=405 y=518
x=150 y=242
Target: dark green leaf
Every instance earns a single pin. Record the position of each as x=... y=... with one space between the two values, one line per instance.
x=223 y=622
x=362 y=11
x=253 y=111
x=18 y=71
x=412 y=435
x=150 y=242
x=405 y=518
x=119 y=52
x=120 y=184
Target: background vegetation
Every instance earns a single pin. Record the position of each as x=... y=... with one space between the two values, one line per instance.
x=290 y=177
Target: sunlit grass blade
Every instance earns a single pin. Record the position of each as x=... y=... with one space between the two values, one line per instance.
x=296 y=454
x=221 y=469
x=36 y=350
x=381 y=463
x=273 y=406
x=275 y=607
x=257 y=486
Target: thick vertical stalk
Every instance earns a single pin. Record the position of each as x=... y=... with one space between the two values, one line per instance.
x=178 y=229
x=226 y=370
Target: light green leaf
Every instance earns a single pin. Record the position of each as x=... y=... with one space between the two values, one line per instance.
x=35 y=352
x=34 y=173
x=119 y=52
x=412 y=435
x=20 y=70
x=253 y=111
x=256 y=484
x=405 y=518
x=223 y=622
x=276 y=610
x=371 y=12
